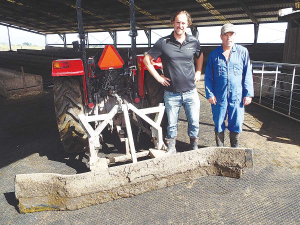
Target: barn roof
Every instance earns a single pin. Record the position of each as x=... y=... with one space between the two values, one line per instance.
x=59 y=16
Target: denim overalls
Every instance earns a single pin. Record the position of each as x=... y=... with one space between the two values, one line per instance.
x=229 y=81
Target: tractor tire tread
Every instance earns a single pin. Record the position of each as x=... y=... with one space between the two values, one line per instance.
x=68 y=102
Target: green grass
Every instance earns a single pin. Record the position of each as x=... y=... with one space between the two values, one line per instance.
x=4 y=47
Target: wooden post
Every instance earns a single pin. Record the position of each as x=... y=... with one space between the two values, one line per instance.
x=9 y=39
x=23 y=77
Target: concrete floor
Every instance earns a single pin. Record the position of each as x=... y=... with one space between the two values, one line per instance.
x=267 y=194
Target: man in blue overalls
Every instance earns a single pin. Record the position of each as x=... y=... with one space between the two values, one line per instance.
x=228 y=85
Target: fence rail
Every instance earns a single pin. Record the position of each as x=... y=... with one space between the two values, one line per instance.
x=277 y=87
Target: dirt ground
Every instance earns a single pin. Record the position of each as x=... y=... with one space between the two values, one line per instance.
x=274 y=138
x=268 y=193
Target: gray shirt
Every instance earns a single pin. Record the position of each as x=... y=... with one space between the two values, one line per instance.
x=178 y=61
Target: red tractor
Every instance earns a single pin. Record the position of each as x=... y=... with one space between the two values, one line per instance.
x=98 y=92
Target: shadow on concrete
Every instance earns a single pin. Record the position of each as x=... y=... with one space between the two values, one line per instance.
x=274 y=127
x=11 y=200
x=28 y=126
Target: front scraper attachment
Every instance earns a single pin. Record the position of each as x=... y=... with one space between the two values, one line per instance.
x=48 y=191
x=102 y=120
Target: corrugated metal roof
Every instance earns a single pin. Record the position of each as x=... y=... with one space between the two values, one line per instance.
x=59 y=16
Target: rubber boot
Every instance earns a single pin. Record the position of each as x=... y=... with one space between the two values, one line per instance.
x=219 y=138
x=171 y=145
x=194 y=143
x=234 y=139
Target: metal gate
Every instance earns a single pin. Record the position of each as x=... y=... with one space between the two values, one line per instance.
x=277 y=87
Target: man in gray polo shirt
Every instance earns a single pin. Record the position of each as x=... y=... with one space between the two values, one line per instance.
x=177 y=54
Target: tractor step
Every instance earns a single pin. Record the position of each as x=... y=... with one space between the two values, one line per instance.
x=48 y=191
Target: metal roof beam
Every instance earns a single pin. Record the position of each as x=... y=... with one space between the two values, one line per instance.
x=212 y=18
x=113 y=35
x=213 y=11
x=159 y=5
x=248 y=11
x=63 y=38
x=44 y=17
x=144 y=12
x=22 y=28
x=148 y=34
x=256 y=28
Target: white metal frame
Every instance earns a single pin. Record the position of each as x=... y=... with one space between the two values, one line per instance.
x=102 y=120
x=261 y=65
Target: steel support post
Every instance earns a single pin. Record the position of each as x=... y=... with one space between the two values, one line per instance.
x=133 y=32
x=113 y=35
x=195 y=32
x=46 y=41
x=64 y=39
x=261 y=82
x=256 y=28
x=292 y=89
x=82 y=44
x=87 y=42
x=275 y=87
x=148 y=35
x=9 y=38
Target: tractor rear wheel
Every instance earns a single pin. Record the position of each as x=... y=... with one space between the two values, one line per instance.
x=154 y=90
x=154 y=96
x=68 y=102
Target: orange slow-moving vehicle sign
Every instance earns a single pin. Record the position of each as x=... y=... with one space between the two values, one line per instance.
x=110 y=59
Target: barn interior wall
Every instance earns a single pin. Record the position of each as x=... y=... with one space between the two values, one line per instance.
x=291 y=53
x=39 y=61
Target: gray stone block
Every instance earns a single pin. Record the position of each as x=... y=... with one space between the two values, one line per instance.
x=15 y=84
x=47 y=191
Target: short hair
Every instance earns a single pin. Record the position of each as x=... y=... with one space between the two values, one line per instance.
x=189 y=18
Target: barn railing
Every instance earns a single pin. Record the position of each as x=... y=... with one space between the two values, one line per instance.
x=277 y=87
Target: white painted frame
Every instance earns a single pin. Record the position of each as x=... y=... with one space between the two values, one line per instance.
x=104 y=119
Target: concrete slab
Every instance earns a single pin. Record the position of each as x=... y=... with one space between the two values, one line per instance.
x=15 y=84
x=48 y=191
x=154 y=153
x=102 y=164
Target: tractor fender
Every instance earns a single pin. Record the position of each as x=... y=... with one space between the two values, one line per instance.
x=70 y=67
x=67 y=67
x=141 y=72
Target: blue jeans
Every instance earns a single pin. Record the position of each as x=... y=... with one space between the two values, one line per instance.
x=191 y=104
